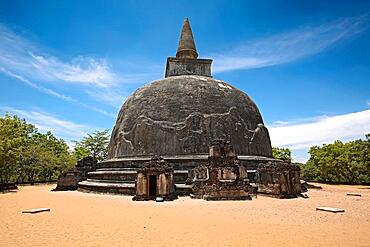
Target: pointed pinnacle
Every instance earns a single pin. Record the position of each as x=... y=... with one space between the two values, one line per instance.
x=186 y=48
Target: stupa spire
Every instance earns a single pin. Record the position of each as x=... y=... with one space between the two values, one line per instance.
x=186 y=61
x=186 y=48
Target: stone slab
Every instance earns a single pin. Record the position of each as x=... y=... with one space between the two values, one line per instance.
x=305 y=196
x=36 y=210
x=329 y=209
x=353 y=194
x=159 y=199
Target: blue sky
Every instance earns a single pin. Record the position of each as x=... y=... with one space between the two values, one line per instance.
x=67 y=66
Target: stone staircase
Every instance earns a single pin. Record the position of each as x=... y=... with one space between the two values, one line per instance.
x=118 y=180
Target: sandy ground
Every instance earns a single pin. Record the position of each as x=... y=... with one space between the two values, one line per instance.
x=81 y=219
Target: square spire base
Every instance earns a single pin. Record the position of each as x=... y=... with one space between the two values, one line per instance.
x=184 y=66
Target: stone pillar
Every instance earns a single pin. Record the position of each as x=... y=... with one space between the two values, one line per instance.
x=141 y=184
x=162 y=184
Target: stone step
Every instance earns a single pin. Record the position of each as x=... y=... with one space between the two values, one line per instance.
x=183 y=189
x=181 y=171
x=112 y=172
x=183 y=186
x=109 y=181
x=112 y=175
x=111 y=188
x=100 y=184
x=122 y=187
x=180 y=176
x=112 y=183
x=131 y=170
x=117 y=169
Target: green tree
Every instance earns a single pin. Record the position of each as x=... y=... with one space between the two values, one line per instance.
x=14 y=134
x=309 y=171
x=46 y=158
x=96 y=144
x=27 y=155
x=80 y=152
x=339 y=162
x=282 y=154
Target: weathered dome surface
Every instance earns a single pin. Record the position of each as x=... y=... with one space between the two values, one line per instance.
x=181 y=115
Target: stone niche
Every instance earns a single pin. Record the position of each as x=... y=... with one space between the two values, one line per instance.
x=70 y=179
x=154 y=180
x=280 y=179
x=223 y=177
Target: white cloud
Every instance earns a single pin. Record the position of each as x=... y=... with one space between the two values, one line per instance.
x=96 y=109
x=115 y=96
x=21 y=56
x=22 y=60
x=111 y=96
x=300 y=155
x=83 y=70
x=26 y=61
x=287 y=47
x=300 y=135
x=38 y=87
x=46 y=122
x=56 y=94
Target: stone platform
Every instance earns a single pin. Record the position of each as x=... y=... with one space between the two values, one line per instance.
x=117 y=176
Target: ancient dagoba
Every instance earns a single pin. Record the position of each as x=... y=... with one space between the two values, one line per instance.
x=177 y=118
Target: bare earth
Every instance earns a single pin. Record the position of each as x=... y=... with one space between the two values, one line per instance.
x=80 y=219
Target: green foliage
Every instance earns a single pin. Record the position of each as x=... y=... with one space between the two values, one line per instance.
x=309 y=171
x=339 y=162
x=27 y=155
x=46 y=158
x=282 y=154
x=95 y=145
x=80 y=152
x=14 y=134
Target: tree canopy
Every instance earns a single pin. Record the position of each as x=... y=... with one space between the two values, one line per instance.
x=339 y=162
x=14 y=136
x=27 y=155
x=95 y=145
x=282 y=154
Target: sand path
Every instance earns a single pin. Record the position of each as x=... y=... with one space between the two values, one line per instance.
x=81 y=219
